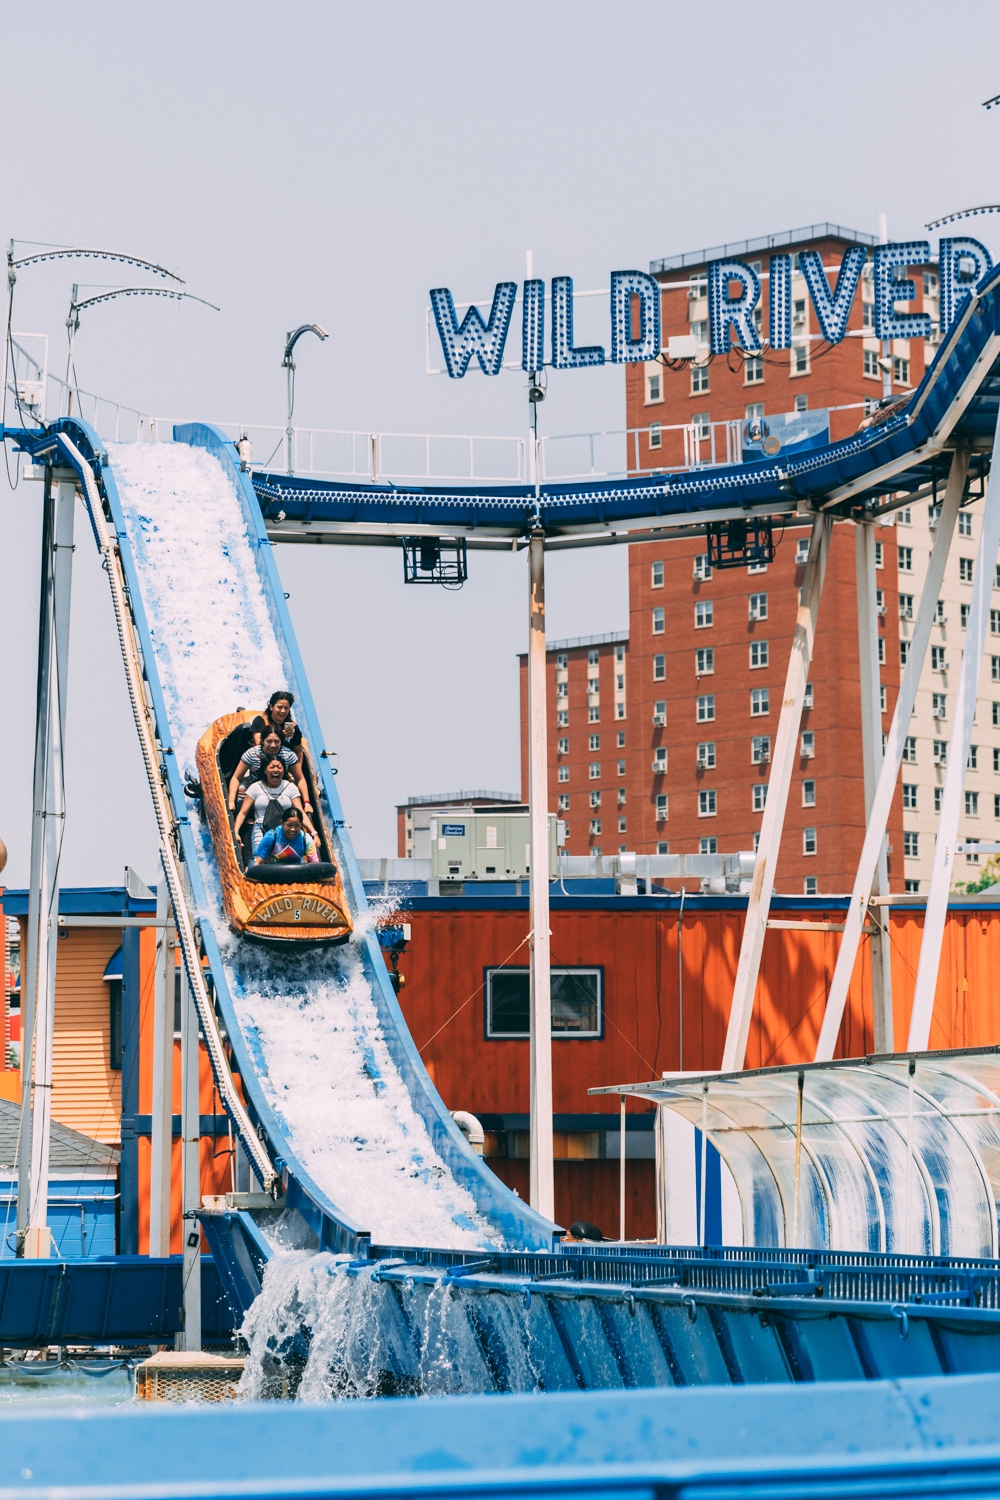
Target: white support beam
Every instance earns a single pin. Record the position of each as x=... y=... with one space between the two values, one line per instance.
x=542 y=1174
x=958 y=752
x=782 y=764
x=871 y=752
x=163 y=1077
x=878 y=816
x=190 y=1338
x=48 y=825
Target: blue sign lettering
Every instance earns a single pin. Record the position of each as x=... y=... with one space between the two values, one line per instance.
x=564 y=356
x=474 y=337
x=726 y=312
x=961 y=263
x=780 y=302
x=833 y=312
x=533 y=327
x=624 y=286
x=890 y=324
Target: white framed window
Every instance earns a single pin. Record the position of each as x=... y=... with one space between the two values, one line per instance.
x=562 y=718
x=940 y=752
x=883 y=701
x=760 y=749
x=659 y=668
x=939 y=705
x=563 y=746
x=878 y=559
x=972 y=804
x=871 y=369
x=564 y=801
x=903 y=516
x=760 y=702
x=663 y=847
x=705 y=708
x=909 y=796
x=940 y=618
x=619 y=710
x=621 y=741
x=800 y=359
x=619 y=653
x=965 y=570
x=759 y=796
x=702 y=424
x=662 y=804
x=995 y=668
x=594 y=742
x=563 y=773
x=708 y=846
x=699 y=379
x=562 y=662
x=655 y=435
x=757 y=567
x=910 y=748
x=707 y=803
x=660 y=713
x=810 y=886
x=621 y=769
x=593 y=658
x=577 y=1003
x=906 y=606
x=808 y=841
x=706 y=755
x=905 y=559
x=757 y=607
x=654 y=386
x=754 y=411
x=593 y=715
x=939 y=661
x=659 y=618
x=911 y=845
x=702 y=570
x=656 y=575
x=911 y=887
x=704 y=614
x=801 y=551
x=699 y=328
x=594 y=770
x=965 y=523
x=562 y=689
x=996 y=805
x=753 y=370
x=660 y=760
x=807 y=749
x=704 y=661
x=901 y=370
x=994 y=620
x=904 y=652
x=621 y=826
x=809 y=794
x=867 y=318
x=801 y=403
x=758 y=654
x=807 y=701
x=972 y=760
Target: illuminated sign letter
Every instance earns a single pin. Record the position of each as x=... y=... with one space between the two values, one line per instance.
x=564 y=356
x=533 y=327
x=833 y=312
x=474 y=337
x=889 y=324
x=961 y=262
x=732 y=314
x=779 y=334
x=624 y=286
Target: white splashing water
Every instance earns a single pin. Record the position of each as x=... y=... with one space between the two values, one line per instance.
x=311 y=1016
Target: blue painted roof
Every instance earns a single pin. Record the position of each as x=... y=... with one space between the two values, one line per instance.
x=86 y=900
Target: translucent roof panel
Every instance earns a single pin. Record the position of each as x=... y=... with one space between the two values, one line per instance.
x=898 y=1153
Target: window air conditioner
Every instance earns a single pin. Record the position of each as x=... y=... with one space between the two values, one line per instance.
x=659 y=721
x=659 y=768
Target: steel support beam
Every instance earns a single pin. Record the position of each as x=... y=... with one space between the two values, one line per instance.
x=871 y=751
x=542 y=1179
x=878 y=816
x=163 y=1077
x=958 y=752
x=48 y=824
x=779 y=781
x=191 y=1169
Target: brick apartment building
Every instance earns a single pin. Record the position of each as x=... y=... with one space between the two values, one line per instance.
x=660 y=737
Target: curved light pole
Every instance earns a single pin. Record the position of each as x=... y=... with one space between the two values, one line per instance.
x=288 y=363
x=75 y=308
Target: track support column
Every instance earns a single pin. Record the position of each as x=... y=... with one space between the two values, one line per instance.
x=871 y=751
x=878 y=815
x=191 y=1163
x=778 y=783
x=48 y=824
x=542 y=1181
x=163 y=1075
x=958 y=753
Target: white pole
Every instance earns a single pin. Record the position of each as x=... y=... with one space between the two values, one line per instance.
x=871 y=752
x=191 y=1166
x=958 y=751
x=782 y=764
x=878 y=817
x=542 y=1183
x=163 y=1077
x=48 y=801
x=621 y=1173
x=704 y=1165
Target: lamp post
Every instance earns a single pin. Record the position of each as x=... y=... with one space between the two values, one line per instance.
x=76 y=307
x=288 y=364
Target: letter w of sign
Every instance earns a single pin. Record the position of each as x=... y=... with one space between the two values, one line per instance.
x=474 y=337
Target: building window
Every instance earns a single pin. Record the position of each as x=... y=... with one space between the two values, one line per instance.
x=115 y=1015
x=564 y=801
x=661 y=807
x=994 y=619
x=621 y=768
x=905 y=558
x=906 y=606
x=996 y=805
x=882 y=700
x=758 y=654
x=800 y=359
x=704 y=614
x=658 y=621
x=881 y=650
x=621 y=826
x=621 y=741
x=593 y=715
x=809 y=794
x=911 y=845
x=760 y=749
x=801 y=403
x=760 y=702
x=878 y=564
x=904 y=652
x=901 y=371
x=996 y=759
x=619 y=710
x=757 y=608
x=801 y=551
x=972 y=764
x=654 y=434
x=563 y=746
x=659 y=713
x=911 y=887
x=909 y=796
x=654 y=386
x=972 y=859
x=995 y=668
x=563 y=773
x=595 y=827
x=938 y=660
x=595 y=767
x=562 y=689
x=562 y=718
x=660 y=761
x=621 y=791
x=940 y=618
x=595 y=799
x=705 y=708
x=701 y=422
x=759 y=796
x=910 y=748
x=808 y=841
x=759 y=567
x=659 y=668
x=939 y=705
x=871 y=369
x=807 y=701
x=753 y=370
x=810 y=886
x=707 y=806
x=706 y=755
x=577 y=1009
x=663 y=847
x=938 y=790
x=702 y=571
x=594 y=742
x=657 y=575
x=903 y=516
x=965 y=523
x=699 y=379
x=972 y=804
x=708 y=846
x=940 y=752
x=704 y=661
x=965 y=570
x=808 y=748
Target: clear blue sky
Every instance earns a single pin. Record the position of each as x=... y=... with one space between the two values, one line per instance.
x=318 y=161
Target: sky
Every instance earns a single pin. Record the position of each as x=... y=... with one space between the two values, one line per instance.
x=320 y=162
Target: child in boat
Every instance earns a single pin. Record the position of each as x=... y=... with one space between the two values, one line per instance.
x=289 y=844
x=251 y=761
